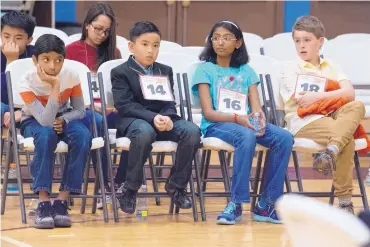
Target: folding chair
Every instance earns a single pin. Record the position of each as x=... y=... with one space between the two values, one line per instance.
x=123 y=143
x=306 y=145
x=14 y=73
x=44 y=30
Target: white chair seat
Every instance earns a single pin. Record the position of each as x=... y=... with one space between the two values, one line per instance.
x=158 y=146
x=216 y=144
x=62 y=147
x=308 y=145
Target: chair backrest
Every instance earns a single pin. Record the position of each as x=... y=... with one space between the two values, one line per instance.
x=125 y=52
x=253 y=42
x=74 y=37
x=179 y=63
x=19 y=67
x=310 y=222
x=353 y=57
x=189 y=50
x=190 y=71
x=17 y=70
x=265 y=65
x=47 y=30
x=82 y=71
x=353 y=37
x=105 y=69
x=168 y=46
x=281 y=47
x=120 y=41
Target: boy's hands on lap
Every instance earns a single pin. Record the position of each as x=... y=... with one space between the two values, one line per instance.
x=11 y=51
x=160 y=122
x=305 y=99
x=58 y=125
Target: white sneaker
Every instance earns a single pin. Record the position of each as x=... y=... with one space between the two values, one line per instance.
x=99 y=204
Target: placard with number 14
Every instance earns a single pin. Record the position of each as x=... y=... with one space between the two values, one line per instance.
x=156 y=88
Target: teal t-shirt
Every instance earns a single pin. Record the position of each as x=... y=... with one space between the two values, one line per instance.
x=236 y=79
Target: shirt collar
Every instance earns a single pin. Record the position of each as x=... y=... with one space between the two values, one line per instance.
x=304 y=64
x=148 y=71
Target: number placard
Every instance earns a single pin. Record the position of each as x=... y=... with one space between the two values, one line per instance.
x=156 y=88
x=95 y=86
x=310 y=83
x=230 y=101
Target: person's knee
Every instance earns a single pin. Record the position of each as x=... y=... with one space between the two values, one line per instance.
x=83 y=138
x=286 y=138
x=46 y=137
x=143 y=135
x=245 y=138
x=358 y=106
x=191 y=134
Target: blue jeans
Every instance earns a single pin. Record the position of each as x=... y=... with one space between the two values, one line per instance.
x=4 y=108
x=243 y=139
x=142 y=136
x=78 y=138
x=111 y=121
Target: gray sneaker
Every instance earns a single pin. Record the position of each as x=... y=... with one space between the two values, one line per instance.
x=44 y=216
x=325 y=162
x=61 y=217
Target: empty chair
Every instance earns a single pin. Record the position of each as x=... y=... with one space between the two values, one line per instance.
x=354 y=59
x=353 y=37
x=74 y=37
x=47 y=30
x=310 y=223
x=253 y=42
x=190 y=50
x=168 y=46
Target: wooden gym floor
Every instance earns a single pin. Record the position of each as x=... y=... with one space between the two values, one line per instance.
x=160 y=229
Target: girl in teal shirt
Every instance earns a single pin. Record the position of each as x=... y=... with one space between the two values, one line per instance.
x=227 y=88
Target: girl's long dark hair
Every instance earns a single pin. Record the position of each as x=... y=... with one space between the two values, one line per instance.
x=239 y=56
x=107 y=49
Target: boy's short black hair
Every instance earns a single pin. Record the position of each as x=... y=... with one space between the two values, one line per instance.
x=19 y=20
x=142 y=27
x=47 y=43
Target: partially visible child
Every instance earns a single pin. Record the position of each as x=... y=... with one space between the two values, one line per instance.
x=16 y=36
x=53 y=110
x=97 y=46
x=227 y=88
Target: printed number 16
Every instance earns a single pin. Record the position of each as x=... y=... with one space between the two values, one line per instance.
x=234 y=104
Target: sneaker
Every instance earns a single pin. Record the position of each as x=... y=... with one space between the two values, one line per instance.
x=127 y=201
x=325 y=162
x=347 y=207
x=61 y=217
x=44 y=216
x=266 y=214
x=231 y=214
x=180 y=199
x=108 y=199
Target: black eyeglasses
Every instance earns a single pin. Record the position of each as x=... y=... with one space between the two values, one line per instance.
x=100 y=31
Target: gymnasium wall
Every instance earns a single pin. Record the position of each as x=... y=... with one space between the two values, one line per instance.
x=187 y=22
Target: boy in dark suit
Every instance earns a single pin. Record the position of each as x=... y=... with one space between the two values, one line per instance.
x=143 y=95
